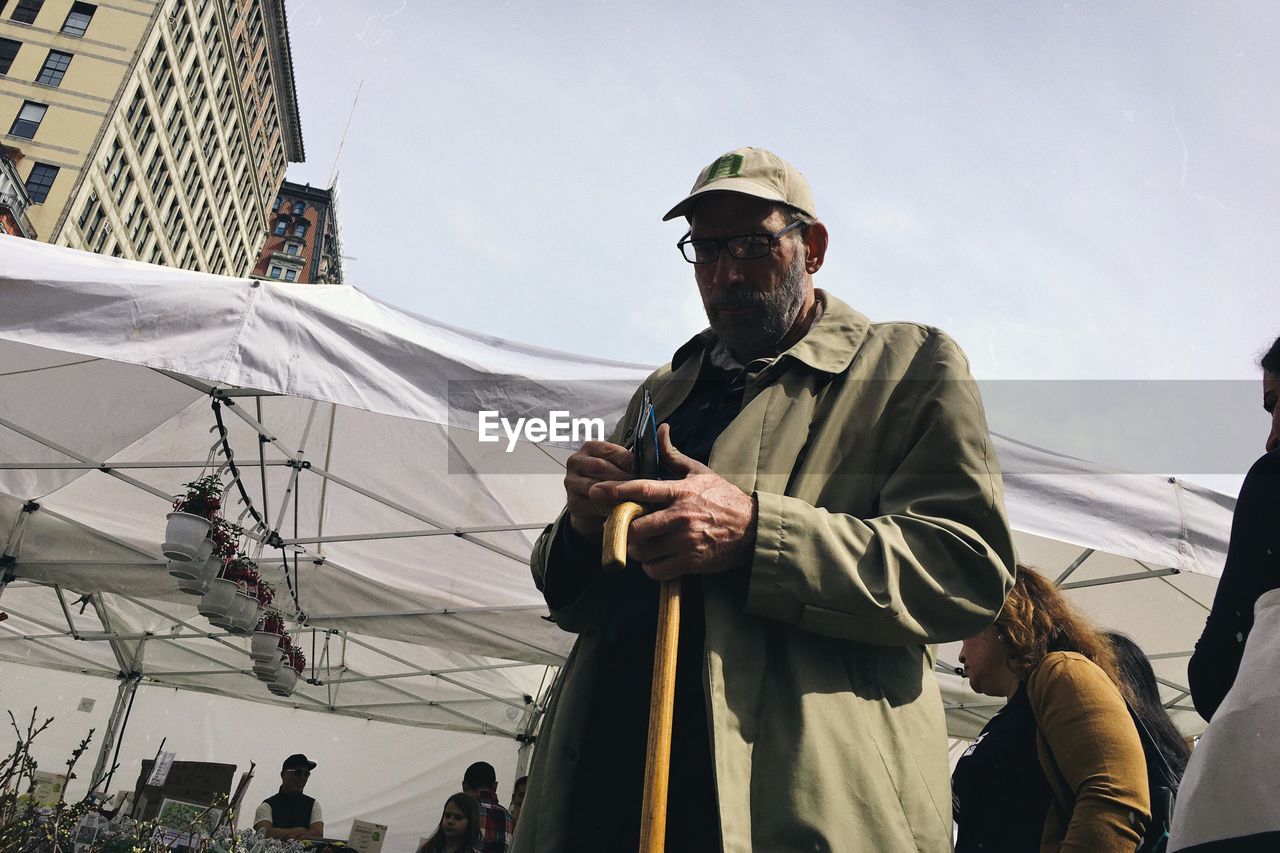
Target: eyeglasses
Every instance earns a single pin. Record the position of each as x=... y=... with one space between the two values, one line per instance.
x=303 y=773
x=748 y=247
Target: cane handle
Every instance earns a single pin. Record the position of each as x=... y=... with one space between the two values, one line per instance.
x=614 y=558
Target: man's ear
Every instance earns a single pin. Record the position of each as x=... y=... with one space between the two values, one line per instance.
x=815 y=242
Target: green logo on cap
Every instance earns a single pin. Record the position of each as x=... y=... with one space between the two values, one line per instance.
x=727 y=166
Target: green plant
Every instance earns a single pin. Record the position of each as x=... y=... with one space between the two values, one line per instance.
x=26 y=827
x=242 y=570
x=271 y=623
x=266 y=593
x=226 y=536
x=203 y=497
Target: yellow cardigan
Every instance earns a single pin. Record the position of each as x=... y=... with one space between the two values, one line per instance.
x=1091 y=754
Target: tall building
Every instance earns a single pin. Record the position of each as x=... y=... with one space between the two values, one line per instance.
x=150 y=130
x=303 y=243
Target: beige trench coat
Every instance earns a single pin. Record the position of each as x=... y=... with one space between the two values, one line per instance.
x=881 y=531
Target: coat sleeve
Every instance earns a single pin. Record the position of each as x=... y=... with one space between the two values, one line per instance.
x=933 y=566
x=567 y=570
x=1252 y=568
x=1098 y=754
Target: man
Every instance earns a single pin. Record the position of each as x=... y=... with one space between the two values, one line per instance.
x=833 y=505
x=290 y=813
x=496 y=823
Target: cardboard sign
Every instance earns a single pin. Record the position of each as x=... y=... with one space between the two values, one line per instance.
x=48 y=788
x=367 y=837
x=200 y=782
x=160 y=770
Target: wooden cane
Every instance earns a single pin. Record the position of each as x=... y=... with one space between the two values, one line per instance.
x=662 y=695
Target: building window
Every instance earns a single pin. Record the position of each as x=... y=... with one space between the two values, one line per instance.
x=290 y=275
x=275 y=272
x=26 y=10
x=55 y=68
x=291 y=249
x=300 y=229
x=78 y=19
x=276 y=206
x=297 y=208
x=40 y=180
x=28 y=120
x=8 y=51
x=281 y=225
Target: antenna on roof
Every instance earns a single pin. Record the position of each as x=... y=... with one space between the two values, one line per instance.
x=343 y=141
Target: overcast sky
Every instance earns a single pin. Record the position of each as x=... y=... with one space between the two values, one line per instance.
x=1072 y=190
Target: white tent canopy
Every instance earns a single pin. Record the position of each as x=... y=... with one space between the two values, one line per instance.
x=404 y=540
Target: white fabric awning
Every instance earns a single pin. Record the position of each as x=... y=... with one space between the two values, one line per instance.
x=408 y=543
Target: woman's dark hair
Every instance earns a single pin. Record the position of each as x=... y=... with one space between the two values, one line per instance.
x=1270 y=360
x=470 y=807
x=1136 y=669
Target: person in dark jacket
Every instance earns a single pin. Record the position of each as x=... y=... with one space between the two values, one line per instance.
x=1227 y=798
x=1248 y=573
x=291 y=814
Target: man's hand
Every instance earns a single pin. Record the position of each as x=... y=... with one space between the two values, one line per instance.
x=705 y=524
x=596 y=462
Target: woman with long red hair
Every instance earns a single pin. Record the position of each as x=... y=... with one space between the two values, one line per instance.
x=1061 y=766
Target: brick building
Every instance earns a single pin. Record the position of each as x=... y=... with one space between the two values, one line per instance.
x=303 y=242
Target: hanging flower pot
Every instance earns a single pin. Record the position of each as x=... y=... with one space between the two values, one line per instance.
x=196 y=565
x=265 y=647
x=242 y=615
x=184 y=536
x=215 y=603
x=284 y=682
x=241 y=611
x=266 y=670
x=196 y=581
x=266 y=640
x=191 y=520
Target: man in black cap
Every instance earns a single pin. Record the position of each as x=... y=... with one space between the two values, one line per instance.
x=290 y=813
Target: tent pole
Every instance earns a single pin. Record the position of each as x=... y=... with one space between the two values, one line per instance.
x=115 y=729
x=522 y=757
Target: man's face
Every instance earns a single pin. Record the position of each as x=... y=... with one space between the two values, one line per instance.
x=295 y=779
x=751 y=304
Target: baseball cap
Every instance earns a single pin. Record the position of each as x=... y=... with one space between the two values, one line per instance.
x=297 y=761
x=750 y=171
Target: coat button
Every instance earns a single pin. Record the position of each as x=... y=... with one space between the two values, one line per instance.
x=572 y=753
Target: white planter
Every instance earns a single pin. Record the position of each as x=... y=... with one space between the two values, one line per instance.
x=242 y=615
x=284 y=682
x=196 y=580
x=267 y=670
x=183 y=537
x=265 y=647
x=194 y=567
x=215 y=603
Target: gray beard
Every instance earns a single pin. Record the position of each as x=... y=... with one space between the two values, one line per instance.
x=778 y=310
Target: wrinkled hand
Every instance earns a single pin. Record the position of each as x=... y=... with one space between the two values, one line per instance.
x=595 y=462
x=703 y=524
